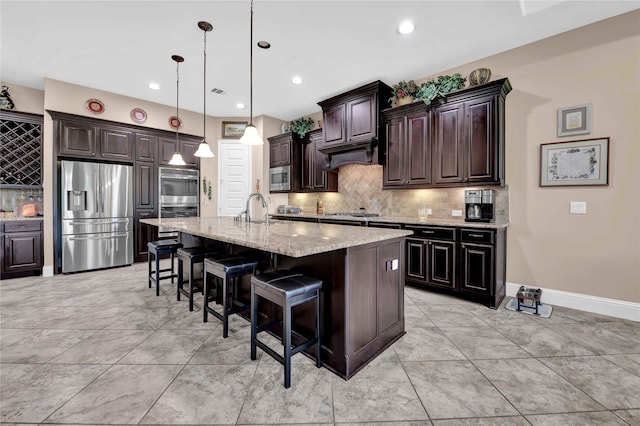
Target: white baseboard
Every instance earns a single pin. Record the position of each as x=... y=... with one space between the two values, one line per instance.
x=47 y=271
x=583 y=302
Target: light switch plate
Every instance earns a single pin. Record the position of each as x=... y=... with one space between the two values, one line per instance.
x=457 y=213
x=429 y=211
x=578 y=207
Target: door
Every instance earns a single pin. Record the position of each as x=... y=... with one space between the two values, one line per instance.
x=234 y=177
x=116 y=182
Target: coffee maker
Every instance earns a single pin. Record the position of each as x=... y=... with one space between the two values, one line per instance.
x=479 y=205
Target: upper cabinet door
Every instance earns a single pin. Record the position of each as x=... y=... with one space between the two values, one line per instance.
x=116 y=144
x=334 y=125
x=146 y=147
x=449 y=144
x=166 y=148
x=394 y=166
x=481 y=150
x=418 y=149
x=187 y=149
x=362 y=118
x=77 y=139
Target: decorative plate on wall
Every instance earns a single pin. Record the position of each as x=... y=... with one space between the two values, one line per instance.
x=138 y=115
x=95 y=106
x=175 y=122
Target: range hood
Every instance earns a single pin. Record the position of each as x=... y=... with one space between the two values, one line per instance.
x=351 y=132
x=361 y=152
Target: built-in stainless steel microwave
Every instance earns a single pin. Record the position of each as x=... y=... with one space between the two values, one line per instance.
x=280 y=178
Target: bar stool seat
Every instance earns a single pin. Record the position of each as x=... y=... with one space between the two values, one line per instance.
x=226 y=271
x=285 y=289
x=192 y=256
x=157 y=249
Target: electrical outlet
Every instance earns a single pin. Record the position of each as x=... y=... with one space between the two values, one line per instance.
x=578 y=207
x=429 y=211
x=457 y=213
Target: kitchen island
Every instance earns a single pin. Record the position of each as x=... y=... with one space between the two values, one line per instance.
x=362 y=272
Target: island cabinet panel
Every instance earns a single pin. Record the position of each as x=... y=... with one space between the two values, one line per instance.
x=363 y=321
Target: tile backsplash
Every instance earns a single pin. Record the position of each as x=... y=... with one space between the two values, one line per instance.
x=361 y=186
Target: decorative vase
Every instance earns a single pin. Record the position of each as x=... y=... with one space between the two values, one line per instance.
x=404 y=100
x=479 y=76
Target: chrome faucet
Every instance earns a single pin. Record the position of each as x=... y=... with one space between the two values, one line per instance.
x=264 y=205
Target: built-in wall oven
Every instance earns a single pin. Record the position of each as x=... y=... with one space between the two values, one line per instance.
x=179 y=195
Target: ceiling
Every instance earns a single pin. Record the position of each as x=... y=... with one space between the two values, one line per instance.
x=121 y=46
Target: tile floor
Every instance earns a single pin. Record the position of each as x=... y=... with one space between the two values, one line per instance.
x=101 y=348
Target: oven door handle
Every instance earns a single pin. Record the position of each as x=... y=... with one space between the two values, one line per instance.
x=179 y=177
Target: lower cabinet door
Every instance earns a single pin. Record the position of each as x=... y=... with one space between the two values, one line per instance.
x=441 y=264
x=22 y=252
x=477 y=268
x=416 y=260
x=143 y=234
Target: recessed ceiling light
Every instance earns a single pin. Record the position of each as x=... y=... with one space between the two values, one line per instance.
x=406 y=27
x=240 y=105
x=264 y=44
x=154 y=86
x=296 y=79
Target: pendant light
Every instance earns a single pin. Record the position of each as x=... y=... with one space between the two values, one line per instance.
x=204 y=150
x=251 y=136
x=177 y=160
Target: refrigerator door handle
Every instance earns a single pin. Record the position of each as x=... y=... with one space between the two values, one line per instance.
x=104 y=237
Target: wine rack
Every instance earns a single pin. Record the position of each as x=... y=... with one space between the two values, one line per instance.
x=20 y=150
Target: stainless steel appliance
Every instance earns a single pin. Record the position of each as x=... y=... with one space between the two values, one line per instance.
x=280 y=178
x=479 y=205
x=97 y=215
x=179 y=195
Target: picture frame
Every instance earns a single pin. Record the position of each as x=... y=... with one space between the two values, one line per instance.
x=575 y=163
x=233 y=129
x=574 y=120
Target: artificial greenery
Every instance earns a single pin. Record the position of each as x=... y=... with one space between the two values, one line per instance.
x=444 y=84
x=206 y=188
x=301 y=126
x=403 y=89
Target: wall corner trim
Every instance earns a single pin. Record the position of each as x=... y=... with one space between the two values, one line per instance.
x=47 y=271
x=584 y=302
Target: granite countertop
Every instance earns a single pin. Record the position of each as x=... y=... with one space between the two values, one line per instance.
x=11 y=218
x=403 y=220
x=294 y=239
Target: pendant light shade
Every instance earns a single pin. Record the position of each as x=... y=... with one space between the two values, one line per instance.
x=204 y=150
x=177 y=159
x=251 y=136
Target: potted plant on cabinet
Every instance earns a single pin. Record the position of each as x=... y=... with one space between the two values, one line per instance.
x=403 y=93
x=444 y=84
x=301 y=126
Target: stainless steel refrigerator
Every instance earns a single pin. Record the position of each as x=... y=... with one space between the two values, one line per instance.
x=97 y=215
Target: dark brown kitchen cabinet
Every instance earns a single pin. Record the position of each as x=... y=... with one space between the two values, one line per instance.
x=116 y=144
x=146 y=147
x=351 y=125
x=22 y=253
x=286 y=150
x=407 y=160
x=143 y=233
x=483 y=264
x=20 y=150
x=77 y=139
x=469 y=136
x=314 y=177
x=187 y=148
x=431 y=256
x=280 y=150
x=146 y=185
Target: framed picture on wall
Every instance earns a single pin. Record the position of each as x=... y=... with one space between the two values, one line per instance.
x=573 y=163
x=575 y=120
x=233 y=129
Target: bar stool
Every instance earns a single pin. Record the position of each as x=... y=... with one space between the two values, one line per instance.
x=159 y=248
x=191 y=256
x=287 y=290
x=227 y=272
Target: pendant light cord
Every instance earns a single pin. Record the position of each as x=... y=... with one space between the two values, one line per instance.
x=251 y=69
x=204 y=91
x=177 y=98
